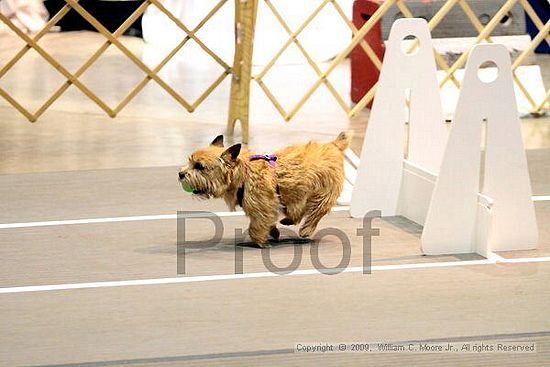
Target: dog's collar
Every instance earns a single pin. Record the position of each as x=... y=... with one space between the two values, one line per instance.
x=269 y=158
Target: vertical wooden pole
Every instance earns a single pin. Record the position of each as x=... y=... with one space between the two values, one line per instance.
x=245 y=23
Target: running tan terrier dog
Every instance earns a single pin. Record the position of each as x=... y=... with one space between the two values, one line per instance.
x=302 y=180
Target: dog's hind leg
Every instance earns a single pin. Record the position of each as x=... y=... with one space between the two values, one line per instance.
x=294 y=213
x=317 y=208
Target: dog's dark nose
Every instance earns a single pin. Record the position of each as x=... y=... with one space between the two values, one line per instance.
x=181 y=175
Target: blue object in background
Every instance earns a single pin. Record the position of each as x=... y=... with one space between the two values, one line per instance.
x=542 y=8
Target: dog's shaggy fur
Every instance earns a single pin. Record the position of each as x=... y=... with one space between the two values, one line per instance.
x=304 y=184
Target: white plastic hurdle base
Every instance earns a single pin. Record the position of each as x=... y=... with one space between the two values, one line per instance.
x=456 y=221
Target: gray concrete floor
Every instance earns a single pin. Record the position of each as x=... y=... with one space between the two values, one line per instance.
x=76 y=163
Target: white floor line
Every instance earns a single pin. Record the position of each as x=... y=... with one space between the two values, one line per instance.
x=155 y=217
x=527 y=260
x=87 y=221
x=209 y=278
x=352 y=157
x=198 y=214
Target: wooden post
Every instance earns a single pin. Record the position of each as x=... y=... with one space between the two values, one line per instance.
x=245 y=23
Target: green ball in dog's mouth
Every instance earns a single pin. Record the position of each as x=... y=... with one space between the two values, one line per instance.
x=186 y=187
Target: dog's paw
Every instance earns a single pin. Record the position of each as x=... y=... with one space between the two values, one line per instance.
x=274 y=233
x=306 y=232
x=263 y=245
x=286 y=221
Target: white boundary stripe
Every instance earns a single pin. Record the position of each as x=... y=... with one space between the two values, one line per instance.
x=198 y=214
x=156 y=217
x=209 y=278
x=87 y=221
x=527 y=260
x=352 y=157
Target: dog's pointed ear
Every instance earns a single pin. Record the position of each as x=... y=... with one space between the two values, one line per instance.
x=231 y=153
x=218 y=141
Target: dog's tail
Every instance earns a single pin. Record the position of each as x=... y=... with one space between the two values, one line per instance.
x=343 y=140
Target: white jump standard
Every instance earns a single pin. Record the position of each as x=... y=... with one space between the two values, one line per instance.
x=439 y=185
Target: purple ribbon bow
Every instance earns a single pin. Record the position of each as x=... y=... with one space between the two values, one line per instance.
x=269 y=158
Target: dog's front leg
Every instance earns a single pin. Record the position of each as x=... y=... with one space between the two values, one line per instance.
x=258 y=231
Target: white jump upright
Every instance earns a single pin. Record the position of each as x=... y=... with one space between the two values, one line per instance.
x=498 y=214
x=385 y=181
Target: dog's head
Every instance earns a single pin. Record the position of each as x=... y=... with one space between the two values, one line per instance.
x=210 y=170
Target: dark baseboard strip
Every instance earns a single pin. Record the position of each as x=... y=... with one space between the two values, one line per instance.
x=256 y=353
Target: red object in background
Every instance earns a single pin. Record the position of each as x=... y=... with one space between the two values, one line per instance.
x=364 y=74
